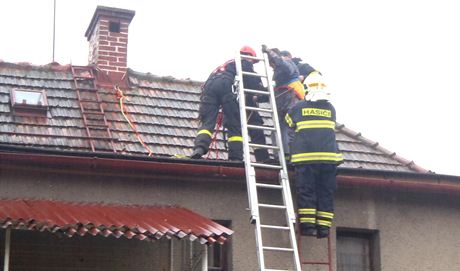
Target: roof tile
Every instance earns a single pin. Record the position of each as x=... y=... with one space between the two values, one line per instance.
x=164 y=111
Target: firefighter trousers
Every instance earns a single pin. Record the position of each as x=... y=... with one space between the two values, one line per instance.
x=217 y=93
x=316 y=185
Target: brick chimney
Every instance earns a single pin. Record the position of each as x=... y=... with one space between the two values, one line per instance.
x=107 y=34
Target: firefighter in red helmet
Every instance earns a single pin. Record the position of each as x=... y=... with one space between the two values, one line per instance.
x=217 y=92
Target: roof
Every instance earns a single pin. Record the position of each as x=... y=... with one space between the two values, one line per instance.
x=164 y=111
x=130 y=221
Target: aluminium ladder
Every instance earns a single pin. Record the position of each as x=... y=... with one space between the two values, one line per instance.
x=263 y=225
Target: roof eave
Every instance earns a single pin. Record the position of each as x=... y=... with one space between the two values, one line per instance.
x=205 y=170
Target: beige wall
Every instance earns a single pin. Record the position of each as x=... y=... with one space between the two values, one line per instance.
x=417 y=231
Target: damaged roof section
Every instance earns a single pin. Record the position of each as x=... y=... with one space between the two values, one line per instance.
x=164 y=111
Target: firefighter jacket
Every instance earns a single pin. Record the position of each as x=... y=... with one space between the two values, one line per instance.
x=314 y=140
x=228 y=71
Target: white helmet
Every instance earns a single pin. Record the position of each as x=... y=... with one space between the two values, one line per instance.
x=316 y=88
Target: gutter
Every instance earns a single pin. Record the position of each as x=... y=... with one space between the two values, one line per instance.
x=207 y=170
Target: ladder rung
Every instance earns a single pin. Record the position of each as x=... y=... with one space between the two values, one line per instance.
x=266 y=166
x=272 y=206
x=274 y=227
x=254 y=74
x=93 y=113
x=259 y=109
x=279 y=249
x=263 y=146
x=258 y=92
x=266 y=185
x=85 y=88
x=97 y=127
x=252 y=57
x=268 y=128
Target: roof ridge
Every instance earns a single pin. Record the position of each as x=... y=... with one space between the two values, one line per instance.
x=53 y=66
x=167 y=78
x=376 y=145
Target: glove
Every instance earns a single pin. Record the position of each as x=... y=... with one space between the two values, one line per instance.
x=264 y=48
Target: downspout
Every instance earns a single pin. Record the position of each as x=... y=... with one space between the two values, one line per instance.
x=171 y=253
x=6 y=261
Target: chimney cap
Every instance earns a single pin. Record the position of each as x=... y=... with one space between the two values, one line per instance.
x=108 y=12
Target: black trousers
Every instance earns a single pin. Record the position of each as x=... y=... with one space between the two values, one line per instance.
x=316 y=184
x=217 y=93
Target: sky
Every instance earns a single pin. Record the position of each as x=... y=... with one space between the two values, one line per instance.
x=392 y=66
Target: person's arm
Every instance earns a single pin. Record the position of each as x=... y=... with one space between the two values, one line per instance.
x=289 y=119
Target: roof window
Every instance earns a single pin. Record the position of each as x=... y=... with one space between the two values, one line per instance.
x=29 y=101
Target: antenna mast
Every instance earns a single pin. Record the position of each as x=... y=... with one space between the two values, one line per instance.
x=54 y=28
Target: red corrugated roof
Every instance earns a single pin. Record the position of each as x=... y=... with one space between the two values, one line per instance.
x=132 y=221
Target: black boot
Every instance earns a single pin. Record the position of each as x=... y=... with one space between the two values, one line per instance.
x=197 y=153
x=322 y=232
x=306 y=229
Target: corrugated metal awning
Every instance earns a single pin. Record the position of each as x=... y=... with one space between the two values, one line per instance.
x=131 y=221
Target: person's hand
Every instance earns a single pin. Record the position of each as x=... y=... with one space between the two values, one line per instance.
x=264 y=48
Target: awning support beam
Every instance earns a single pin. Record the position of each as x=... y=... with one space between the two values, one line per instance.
x=6 y=261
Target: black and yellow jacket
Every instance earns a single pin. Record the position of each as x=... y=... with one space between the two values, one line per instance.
x=314 y=140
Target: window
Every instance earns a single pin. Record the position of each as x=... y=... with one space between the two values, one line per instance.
x=357 y=250
x=29 y=102
x=219 y=255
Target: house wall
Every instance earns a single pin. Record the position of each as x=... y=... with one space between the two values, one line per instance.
x=417 y=231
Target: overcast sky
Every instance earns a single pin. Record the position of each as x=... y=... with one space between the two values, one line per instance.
x=392 y=65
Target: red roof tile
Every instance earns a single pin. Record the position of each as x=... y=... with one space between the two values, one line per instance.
x=131 y=221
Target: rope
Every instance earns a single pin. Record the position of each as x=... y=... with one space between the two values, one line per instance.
x=213 y=145
x=120 y=97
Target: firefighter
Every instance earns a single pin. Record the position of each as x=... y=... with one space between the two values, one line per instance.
x=288 y=90
x=217 y=92
x=305 y=70
x=315 y=156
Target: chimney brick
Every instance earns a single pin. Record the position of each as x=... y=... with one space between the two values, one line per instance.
x=107 y=34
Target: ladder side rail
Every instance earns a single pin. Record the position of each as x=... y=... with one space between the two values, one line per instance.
x=249 y=170
x=283 y=175
x=250 y=173
x=85 y=122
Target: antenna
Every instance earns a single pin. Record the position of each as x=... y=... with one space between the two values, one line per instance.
x=54 y=28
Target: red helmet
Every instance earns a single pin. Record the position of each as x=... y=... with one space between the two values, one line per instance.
x=248 y=51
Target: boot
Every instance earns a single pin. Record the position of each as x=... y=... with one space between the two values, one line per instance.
x=306 y=229
x=322 y=232
x=197 y=153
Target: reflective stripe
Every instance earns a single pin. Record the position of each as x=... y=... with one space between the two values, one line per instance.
x=324 y=223
x=316 y=156
x=325 y=214
x=312 y=85
x=306 y=211
x=235 y=138
x=207 y=132
x=309 y=124
x=289 y=120
x=307 y=220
